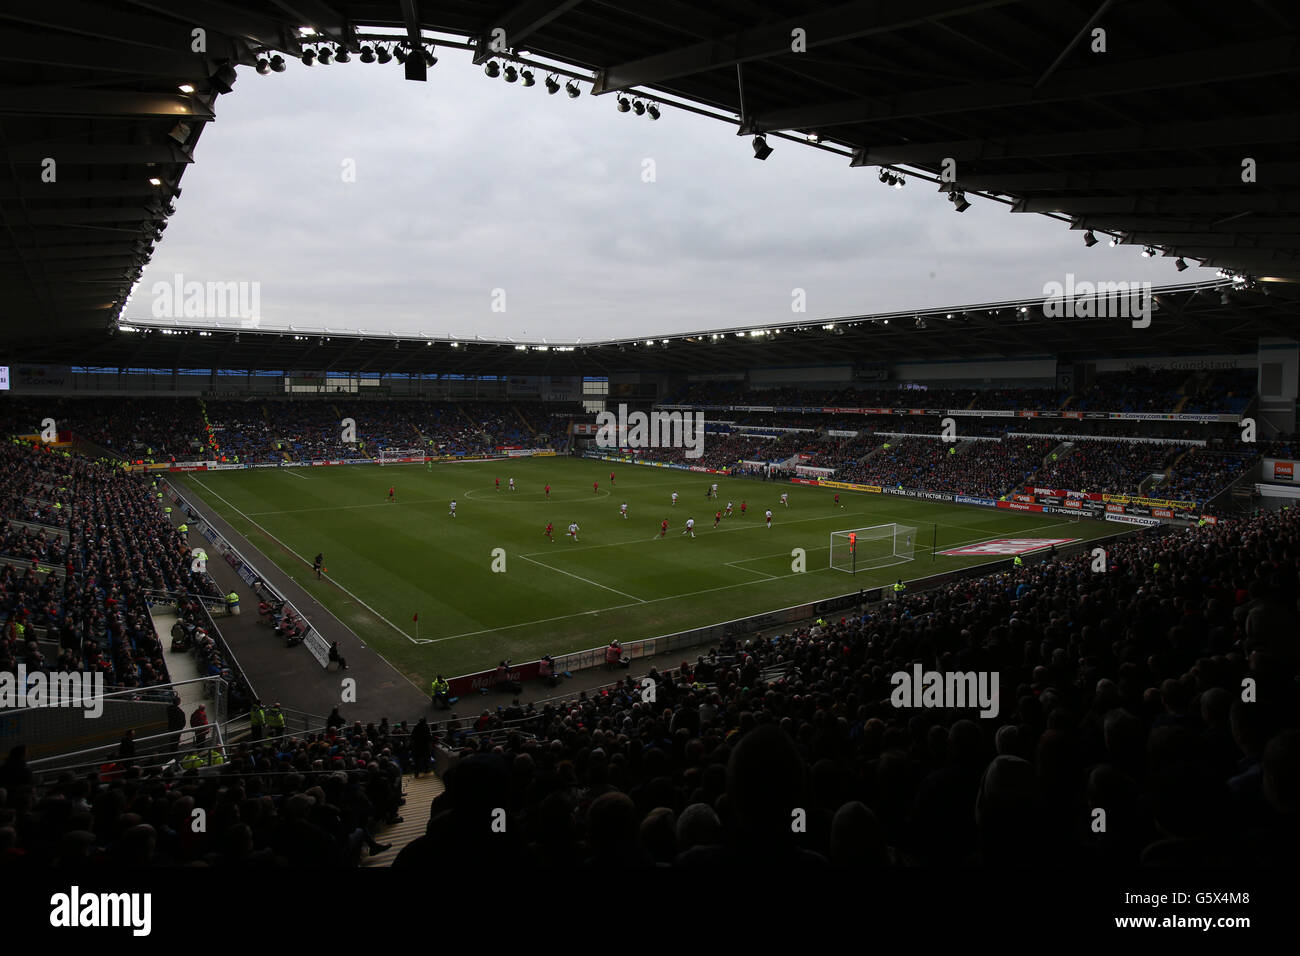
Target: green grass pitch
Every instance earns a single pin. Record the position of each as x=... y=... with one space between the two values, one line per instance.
x=390 y=560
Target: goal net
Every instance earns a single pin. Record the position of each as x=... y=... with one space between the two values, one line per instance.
x=392 y=456
x=862 y=549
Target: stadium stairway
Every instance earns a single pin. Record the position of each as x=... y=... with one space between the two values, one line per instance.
x=419 y=793
x=180 y=664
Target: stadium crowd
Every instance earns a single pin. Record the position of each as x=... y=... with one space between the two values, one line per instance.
x=79 y=578
x=1118 y=688
x=1203 y=473
x=255 y=431
x=1105 y=467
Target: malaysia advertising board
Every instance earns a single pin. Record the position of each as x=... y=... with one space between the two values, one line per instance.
x=1019 y=506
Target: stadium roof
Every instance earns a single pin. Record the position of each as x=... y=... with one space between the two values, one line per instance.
x=105 y=101
x=1192 y=319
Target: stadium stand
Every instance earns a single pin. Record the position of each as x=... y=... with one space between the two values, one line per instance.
x=81 y=580
x=1107 y=467
x=1118 y=689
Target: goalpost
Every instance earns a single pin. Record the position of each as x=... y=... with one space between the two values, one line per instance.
x=390 y=456
x=864 y=549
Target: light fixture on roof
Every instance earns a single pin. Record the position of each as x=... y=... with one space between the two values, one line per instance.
x=323 y=55
x=367 y=54
x=624 y=104
x=493 y=69
x=572 y=89
x=307 y=31
x=527 y=77
x=638 y=108
x=512 y=73
x=399 y=53
x=552 y=84
x=223 y=79
x=814 y=137
x=186 y=87
x=761 y=149
x=263 y=66
x=383 y=55
x=341 y=54
x=1148 y=252
x=1114 y=241
x=652 y=111
x=959 y=201
x=155 y=181
x=429 y=58
x=277 y=64
x=308 y=56
x=1180 y=264
x=1089 y=239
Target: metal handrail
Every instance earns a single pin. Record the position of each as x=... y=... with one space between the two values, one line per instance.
x=214 y=631
x=128 y=691
x=171 y=755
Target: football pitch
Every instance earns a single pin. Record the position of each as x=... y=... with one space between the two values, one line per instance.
x=488 y=584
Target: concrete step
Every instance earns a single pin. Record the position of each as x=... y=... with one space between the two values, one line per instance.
x=419 y=793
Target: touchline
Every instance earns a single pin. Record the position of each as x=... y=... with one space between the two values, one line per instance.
x=59 y=689
x=653 y=430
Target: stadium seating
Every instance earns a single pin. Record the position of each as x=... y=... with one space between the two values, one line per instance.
x=81 y=544
x=1118 y=690
x=1107 y=467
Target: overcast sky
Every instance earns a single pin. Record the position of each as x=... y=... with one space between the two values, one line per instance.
x=465 y=185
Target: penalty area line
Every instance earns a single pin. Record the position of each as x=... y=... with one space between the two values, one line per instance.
x=578 y=577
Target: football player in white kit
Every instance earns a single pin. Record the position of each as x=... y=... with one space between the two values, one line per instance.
x=690 y=527
x=674 y=499
x=727 y=513
x=452 y=512
x=512 y=484
x=573 y=531
x=785 y=500
x=769 y=519
x=622 y=509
